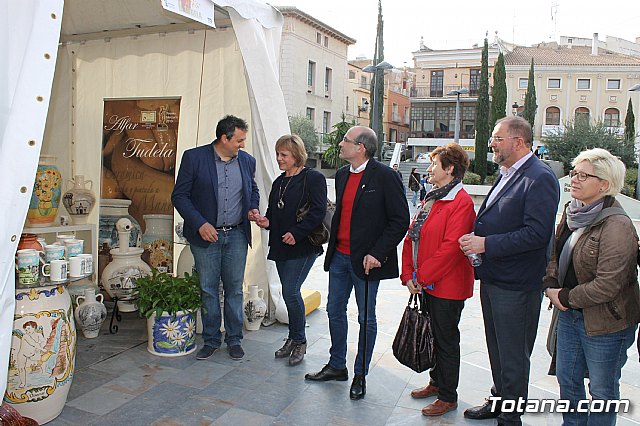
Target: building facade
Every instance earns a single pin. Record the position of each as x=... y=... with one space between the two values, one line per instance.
x=434 y=102
x=573 y=82
x=313 y=68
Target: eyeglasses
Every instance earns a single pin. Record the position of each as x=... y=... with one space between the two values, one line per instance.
x=498 y=139
x=582 y=176
x=346 y=139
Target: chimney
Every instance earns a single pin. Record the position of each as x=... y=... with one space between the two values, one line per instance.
x=594 y=46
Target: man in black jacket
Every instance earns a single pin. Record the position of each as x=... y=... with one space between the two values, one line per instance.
x=372 y=217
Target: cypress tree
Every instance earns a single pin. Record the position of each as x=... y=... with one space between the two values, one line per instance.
x=499 y=93
x=530 y=106
x=629 y=123
x=483 y=131
x=379 y=76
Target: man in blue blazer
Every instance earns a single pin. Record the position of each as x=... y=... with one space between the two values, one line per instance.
x=513 y=230
x=217 y=196
x=371 y=218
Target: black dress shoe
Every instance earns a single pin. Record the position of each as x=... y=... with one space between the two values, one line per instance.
x=328 y=373
x=358 y=387
x=482 y=412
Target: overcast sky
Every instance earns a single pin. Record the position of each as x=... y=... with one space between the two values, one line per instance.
x=462 y=23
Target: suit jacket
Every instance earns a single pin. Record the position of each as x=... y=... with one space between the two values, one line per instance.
x=194 y=195
x=379 y=220
x=518 y=226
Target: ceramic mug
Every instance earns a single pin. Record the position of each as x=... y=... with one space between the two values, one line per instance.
x=53 y=252
x=73 y=247
x=77 y=267
x=28 y=266
x=61 y=238
x=57 y=270
x=88 y=263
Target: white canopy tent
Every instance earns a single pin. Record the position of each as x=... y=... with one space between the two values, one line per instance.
x=124 y=49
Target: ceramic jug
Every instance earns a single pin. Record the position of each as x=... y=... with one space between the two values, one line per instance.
x=79 y=200
x=90 y=313
x=254 y=308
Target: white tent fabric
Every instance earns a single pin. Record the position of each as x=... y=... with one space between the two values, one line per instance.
x=29 y=32
x=269 y=119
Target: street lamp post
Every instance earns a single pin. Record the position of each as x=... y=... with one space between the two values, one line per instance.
x=374 y=123
x=458 y=92
x=636 y=88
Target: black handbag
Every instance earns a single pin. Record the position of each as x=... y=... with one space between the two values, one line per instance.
x=413 y=345
x=320 y=235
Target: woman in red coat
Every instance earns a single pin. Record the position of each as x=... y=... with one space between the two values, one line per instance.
x=432 y=261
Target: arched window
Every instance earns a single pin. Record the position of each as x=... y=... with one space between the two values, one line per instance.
x=552 y=117
x=612 y=117
x=582 y=115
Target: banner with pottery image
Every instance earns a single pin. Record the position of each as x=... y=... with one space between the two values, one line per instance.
x=139 y=146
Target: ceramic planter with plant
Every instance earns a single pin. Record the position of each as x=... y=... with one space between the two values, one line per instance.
x=170 y=304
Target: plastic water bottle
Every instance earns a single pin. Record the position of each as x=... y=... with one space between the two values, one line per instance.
x=475 y=259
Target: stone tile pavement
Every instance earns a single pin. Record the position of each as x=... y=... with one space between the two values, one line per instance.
x=117 y=382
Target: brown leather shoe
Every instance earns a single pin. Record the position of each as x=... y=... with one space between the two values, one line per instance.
x=438 y=408
x=425 y=392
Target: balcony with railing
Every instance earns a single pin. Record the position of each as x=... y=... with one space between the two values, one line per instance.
x=441 y=92
x=395 y=117
x=441 y=134
x=549 y=129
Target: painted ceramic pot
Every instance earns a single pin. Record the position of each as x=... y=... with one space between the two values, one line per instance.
x=157 y=241
x=43 y=352
x=171 y=336
x=90 y=313
x=79 y=200
x=119 y=277
x=45 y=198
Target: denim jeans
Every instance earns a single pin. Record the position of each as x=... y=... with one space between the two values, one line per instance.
x=342 y=280
x=414 y=200
x=292 y=274
x=604 y=356
x=224 y=259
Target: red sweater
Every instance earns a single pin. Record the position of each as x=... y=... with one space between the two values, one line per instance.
x=343 y=237
x=440 y=260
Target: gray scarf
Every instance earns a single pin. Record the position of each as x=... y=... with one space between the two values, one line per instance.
x=579 y=216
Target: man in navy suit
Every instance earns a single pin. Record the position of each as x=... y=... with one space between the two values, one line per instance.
x=371 y=218
x=513 y=230
x=216 y=195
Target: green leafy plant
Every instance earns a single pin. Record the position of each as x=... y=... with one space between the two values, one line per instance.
x=161 y=292
x=471 y=178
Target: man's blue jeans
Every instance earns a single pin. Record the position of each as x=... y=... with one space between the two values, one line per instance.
x=342 y=280
x=292 y=274
x=224 y=259
x=604 y=356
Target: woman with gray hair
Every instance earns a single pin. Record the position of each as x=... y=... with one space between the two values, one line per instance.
x=592 y=281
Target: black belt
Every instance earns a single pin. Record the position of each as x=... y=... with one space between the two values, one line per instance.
x=226 y=228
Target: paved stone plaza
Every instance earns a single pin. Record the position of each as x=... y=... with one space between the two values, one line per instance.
x=117 y=382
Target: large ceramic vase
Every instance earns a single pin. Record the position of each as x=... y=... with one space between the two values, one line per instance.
x=110 y=212
x=119 y=277
x=43 y=352
x=171 y=336
x=157 y=241
x=90 y=313
x=79 y=200
x=254 y=308
x=45 y=198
